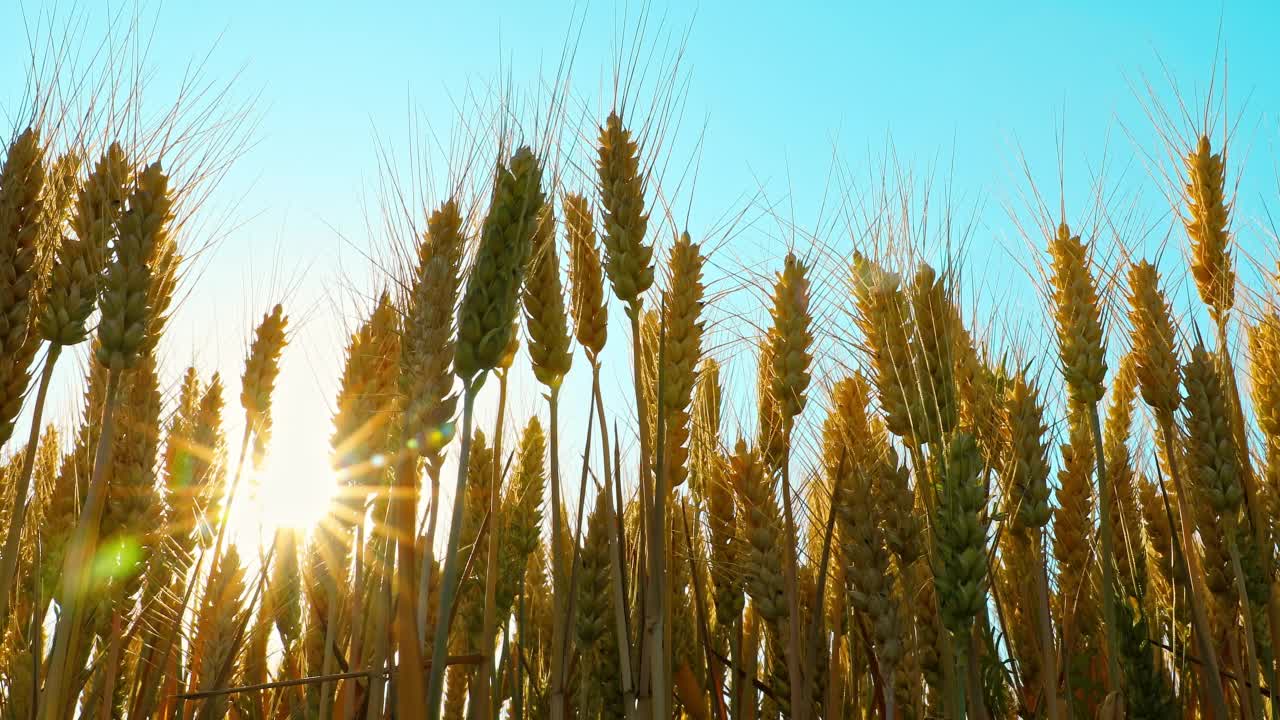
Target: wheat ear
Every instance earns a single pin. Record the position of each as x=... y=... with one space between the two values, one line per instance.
x=1078 y=318
x=547 y=328
x=1159 y=374
x=131 y=309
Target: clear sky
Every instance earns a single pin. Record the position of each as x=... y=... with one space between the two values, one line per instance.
x=777 y=94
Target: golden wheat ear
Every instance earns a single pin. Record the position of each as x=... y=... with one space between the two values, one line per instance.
x=682 y=310
x=22 y=181
x=586 y=280
x=849 y=463
x=884 y=319
x=427 y=347
x=261 y=369
x=1207 y=222
x=546 y=323
x=1153 y=340
x=628 y=256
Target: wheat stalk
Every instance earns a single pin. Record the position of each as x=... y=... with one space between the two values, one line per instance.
x=484 y=332
x=1158 y=374
x=1078 y=319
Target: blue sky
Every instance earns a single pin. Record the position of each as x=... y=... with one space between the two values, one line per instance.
x=776 y=93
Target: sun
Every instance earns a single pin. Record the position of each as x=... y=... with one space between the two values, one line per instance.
x=289 y=491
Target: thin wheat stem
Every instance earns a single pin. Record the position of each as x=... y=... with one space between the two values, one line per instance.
x=357 y=611
x=402 y=594
x=410 y=655
x=617 y=553
x=428 y=554
x=958 y=689
x=231 y=497
x=487 y=698
x=1251 y=652
x=522 y=630
x=1238 y=432
x=1048 y=658
x=482 y=693
x=330 y=637
x=449 y=580
x=798 y=705
x=977 y=704
x=739 y=689
x=650 y=703
x=1107 y=556
x=559 y=592
x=113 y=661
x=84 y=542
x=17 y=516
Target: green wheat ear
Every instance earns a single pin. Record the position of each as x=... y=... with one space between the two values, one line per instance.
x=493 y=286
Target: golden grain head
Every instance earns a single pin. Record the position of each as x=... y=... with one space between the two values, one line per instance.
x=704 y=438
x=1153 y=339
x=770 y=423
x=1207 y=222
x=883 y=317
x=262 y=365
x=933 y=356
x=790 y=339
x=760 y=523
x=1073 y=519
x=1264 y=358
x=586 y=277
x=546 y=323
x=628 y=258
x=1078 y=317
x=22 y=181
x=523 y=505
x=682 y=350
x=76 y=273
x=427 y=344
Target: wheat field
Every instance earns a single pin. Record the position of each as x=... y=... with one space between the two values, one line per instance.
x=866 y=503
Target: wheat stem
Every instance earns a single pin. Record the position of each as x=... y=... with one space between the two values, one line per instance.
x=113 y=661
x=409 y=620
x=481 y=692
x=958 y=689
x=1107 y=556
x=559 y=593
x=650 y=655
x=617 y=552
x=449 y=578
x=1048 y=658
x=1238 y=432
x=796 y=678
x=231 y=497
x=76 y=568
x=428 y=553
x=484 y=696
x=12 y=541
x=1251 y=652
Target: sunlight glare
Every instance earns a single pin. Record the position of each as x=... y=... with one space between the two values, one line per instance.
x=286 y=492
